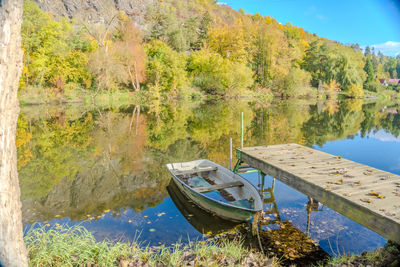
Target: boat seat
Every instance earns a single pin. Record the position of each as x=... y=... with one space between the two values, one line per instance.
x=195 y=170
x=218 y=187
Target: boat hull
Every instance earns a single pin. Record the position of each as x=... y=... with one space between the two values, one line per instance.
x=223 y=211
x=205 y=222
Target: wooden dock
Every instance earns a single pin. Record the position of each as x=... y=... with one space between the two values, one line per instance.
x=364 y=194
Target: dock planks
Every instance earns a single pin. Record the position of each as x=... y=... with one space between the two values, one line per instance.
x=364 y=194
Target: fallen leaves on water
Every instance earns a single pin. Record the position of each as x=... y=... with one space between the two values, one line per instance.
x=152 y=230
x=161 y=214
x=289 y=243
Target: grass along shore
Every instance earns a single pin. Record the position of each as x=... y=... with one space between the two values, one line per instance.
x=75 y=246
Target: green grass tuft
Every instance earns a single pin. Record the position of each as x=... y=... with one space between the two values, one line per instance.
x=76 y=246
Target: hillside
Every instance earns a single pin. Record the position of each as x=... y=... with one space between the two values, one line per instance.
x=93 y=10
x=177 y=46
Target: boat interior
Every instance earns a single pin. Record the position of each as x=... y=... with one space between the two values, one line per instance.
x=217 y=184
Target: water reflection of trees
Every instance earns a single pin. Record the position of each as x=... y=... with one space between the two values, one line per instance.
x=84 y=160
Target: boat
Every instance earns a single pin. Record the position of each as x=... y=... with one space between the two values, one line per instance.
x=202 y=220
x=217 y=189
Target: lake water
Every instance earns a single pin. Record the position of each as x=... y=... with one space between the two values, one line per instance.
x=104 y=168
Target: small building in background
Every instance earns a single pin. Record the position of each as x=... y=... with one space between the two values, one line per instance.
x=386 y=82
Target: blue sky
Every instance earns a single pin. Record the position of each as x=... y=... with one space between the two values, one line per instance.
x=366 y=22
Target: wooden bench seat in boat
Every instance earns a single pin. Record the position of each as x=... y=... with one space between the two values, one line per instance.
x=218 y=187
x=195 y=170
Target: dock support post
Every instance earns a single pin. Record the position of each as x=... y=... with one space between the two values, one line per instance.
x=262 y=182
x=241 y=130
x=273 y=184
x=239 y=161
x=230 y=154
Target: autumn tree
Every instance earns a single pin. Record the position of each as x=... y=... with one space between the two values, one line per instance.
x=229 y=41
x=297 y=83
x=166 y=68
x=215 y=74
x=129 y=52
x=12 y=248
x=55 y=53
x=119 y=57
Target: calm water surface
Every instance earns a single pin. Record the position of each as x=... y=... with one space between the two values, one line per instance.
x=104 y=168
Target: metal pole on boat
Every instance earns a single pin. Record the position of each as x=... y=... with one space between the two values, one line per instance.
x=241 y=130
x=230 y=154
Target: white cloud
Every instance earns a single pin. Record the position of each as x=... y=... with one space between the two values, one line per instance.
x=384 y=136
x=389 y=48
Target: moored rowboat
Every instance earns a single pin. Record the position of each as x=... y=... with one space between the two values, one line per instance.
x=217 y=189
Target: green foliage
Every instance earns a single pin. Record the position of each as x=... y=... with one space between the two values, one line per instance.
x=390 y=66
x=262 y=60
x=165 y=68
x=297 y=83
x=374 y=86
x=369 y=70
x=217 y=75
x=54 y=51
x=182 y=33
x=327 y=62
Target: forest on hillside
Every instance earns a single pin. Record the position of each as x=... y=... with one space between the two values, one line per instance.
x=189 y=48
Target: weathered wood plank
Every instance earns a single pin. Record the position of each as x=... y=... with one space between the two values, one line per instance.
x=192 y=171
x=218 y=187
x=343 y=185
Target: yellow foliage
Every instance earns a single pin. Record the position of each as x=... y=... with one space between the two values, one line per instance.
x=355 y=91
x=229 y=41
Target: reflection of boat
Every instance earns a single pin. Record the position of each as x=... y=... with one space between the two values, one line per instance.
x=217 y=189
x=203 y=221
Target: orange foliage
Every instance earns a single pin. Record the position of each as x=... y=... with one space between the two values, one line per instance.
x=131 y=53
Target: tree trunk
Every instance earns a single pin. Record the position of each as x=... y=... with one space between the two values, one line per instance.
x=12 y=248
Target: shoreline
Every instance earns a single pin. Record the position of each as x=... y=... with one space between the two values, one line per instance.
x=76 y=246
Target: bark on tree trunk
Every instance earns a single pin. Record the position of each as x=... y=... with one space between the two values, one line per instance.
x=12 y=248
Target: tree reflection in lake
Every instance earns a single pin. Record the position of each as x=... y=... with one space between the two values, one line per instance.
x=106 y=167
